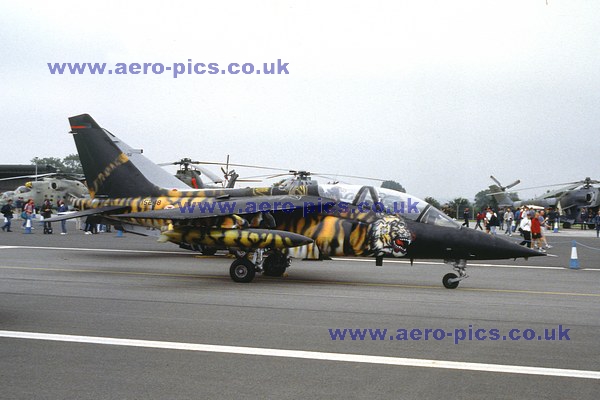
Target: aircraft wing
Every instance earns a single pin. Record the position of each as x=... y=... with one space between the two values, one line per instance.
x=85 y=213
x=240 y=206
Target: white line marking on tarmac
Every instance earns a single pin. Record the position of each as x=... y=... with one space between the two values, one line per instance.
x=310 y=355
x=469 y=264
x=364 y=259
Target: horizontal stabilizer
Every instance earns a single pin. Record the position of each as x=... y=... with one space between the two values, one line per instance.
x=85 y=213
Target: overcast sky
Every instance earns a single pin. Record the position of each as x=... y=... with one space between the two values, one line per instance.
x=436 y=95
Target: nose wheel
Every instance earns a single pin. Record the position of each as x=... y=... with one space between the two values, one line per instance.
x=451 y=280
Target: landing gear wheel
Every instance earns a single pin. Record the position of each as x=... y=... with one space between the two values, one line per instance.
x=242 y=271
x=275 y=265
x=447 y=283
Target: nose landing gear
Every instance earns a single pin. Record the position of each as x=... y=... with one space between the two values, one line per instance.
x=451 y=281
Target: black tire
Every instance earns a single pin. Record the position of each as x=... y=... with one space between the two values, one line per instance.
x=275 y=265
x=447 y=283
x=242 y=271
x=566 y=225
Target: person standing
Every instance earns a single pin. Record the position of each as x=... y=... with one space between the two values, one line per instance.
x=525 y=227
x=536 y=232
x=478 y=218
x=597 y=223
x=91 y=225
x=7 y=211
x=27 y=214
x=88 y=226
x=494 y=222
x=508 y=220
x=524 y=212
x=517 y=219
x=583 y=215
x=543 y=226
x=46 y=212
x=486 y=221
x=466 y=217
x=62 y=208
x=19 y=205
x=552 y=217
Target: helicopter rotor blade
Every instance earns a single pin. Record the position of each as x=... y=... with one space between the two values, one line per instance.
x=369 y=178
x=276 y=176
x=515 y=183
x=332 y=179
x=28 y=176
x=183 y=161
x=264 y=176
x=242 y=165
x=496 y=180
x=210 y=175
x=567 y=185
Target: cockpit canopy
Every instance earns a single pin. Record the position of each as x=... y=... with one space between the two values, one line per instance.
x=392 y=202
x=23 y=189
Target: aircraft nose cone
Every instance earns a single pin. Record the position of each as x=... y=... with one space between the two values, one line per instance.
x=485 y=246
x=515 y=250
x=451 y=243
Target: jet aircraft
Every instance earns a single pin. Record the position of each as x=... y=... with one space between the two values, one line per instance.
x=265 y=226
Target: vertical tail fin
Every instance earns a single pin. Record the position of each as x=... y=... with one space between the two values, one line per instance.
x=114 y=169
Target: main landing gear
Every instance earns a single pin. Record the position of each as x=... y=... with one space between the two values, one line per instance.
x=244 y=269
x=451 y=280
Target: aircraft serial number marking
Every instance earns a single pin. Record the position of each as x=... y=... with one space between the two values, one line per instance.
x=148 y=202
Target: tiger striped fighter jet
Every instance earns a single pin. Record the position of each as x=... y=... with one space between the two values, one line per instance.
x=266 y=227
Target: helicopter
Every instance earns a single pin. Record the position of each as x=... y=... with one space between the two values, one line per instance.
x=55 y=187
x=570 y=199
x=12 y=175
x=291 y=178
x=190 y=173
